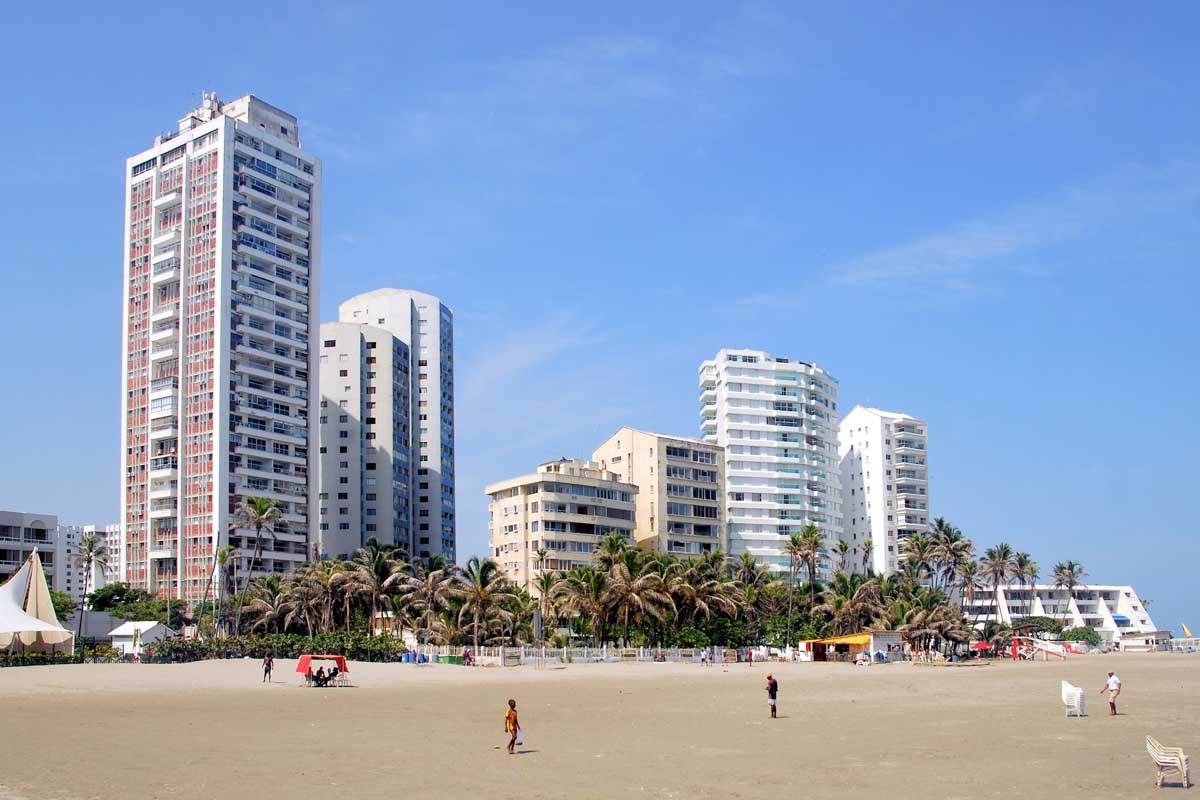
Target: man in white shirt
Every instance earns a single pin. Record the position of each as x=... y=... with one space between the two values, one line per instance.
x=1113 y=687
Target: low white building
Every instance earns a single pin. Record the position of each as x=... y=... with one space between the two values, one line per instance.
x=1115 y=612
x=130 y=638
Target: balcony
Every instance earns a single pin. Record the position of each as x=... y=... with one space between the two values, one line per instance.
x=162 y=554
x=164 y=490
x=166 y=237
x=166 y=334
x=163 y=467
x=164 y=428
x=163 y=312
x=164 y=386
x=167 y=199
x=162 y=512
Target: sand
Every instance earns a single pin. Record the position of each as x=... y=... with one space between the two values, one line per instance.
x=212 y=730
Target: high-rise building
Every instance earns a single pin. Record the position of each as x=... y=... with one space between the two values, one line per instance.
x=222 y=244
x=566 y=508
x=680 y=498
x=426 y=326
x=110 y=534
x=885 y=484
x=775 y=419
x=366 y=470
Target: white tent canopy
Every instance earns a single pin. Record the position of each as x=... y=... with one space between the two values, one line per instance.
x=26 y=613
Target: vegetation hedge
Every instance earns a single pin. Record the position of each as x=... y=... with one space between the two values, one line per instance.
x=355 y=646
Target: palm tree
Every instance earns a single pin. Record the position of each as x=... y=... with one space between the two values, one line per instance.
x=1068 y=575
x=612 y=548
x=259 y=513
x=269 y=598
x=581 y=591
x=997 y=568
x=378 y=576
x=951 y=548
x=227 y=578
x=482 y=588
x=90 y=553
x=922 y=551
x=544 y=583
x=867 y=545
x=541 y=554
x=852 y=601
x=430 y=591
x=638 y=596
x=843 y=551
x=794 y=549
x=1025 y=570
x=697 y=590
x=968 y=583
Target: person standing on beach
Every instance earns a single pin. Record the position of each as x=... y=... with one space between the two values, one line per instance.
x=772 y=693
x=511 y=725
x=268 y=666
x=750 y=657
x=1113 y=687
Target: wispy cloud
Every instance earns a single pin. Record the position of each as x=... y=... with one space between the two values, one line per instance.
x=1059 y=91
x=965 y=257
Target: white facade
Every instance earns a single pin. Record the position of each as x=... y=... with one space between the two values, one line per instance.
x=775 y=417
x=366 y=473
x=885 y=484
x=1116 y=612
x=426 y=326
x=221 y=268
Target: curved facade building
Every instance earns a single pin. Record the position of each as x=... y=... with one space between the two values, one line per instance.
x=776 y=419
x=426 y=325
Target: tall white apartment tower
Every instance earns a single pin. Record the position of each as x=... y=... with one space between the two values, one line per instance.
x=365 y=455
x=222 y=245
x=885 y=484
x=775 y=419
x=426 y=326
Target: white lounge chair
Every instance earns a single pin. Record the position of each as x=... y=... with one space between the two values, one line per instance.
x=1072 y=698
x=1168 y=759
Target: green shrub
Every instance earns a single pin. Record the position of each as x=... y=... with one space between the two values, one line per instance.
x=1083 y=634
x=355 y=646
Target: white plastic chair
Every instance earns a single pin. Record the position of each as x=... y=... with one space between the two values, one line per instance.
x=1073 y=699
x=1168 y=760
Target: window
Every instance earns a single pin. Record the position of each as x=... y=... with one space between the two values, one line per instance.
x=343 y=418
x=343 y=434
x=343 y=496
x=331 y=342
x=343 y=479
x=370 y=495
x=343 y=373
x=344 y=464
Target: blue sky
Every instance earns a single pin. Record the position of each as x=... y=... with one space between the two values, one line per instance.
x=986 y=219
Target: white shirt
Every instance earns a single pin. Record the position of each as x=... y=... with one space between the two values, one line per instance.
x=1113 y=683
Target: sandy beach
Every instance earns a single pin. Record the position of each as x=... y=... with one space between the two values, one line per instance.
x=212 y=730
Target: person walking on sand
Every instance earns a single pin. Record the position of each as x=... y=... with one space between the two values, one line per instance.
x=1113 y=687
x=268 y=666
x=511 y=725
x=772 y=693
x=750 y=657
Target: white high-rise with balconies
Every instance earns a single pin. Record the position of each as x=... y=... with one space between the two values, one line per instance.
x=775 y=419
x=885 y=484
x=426 y=326
x=221 y=266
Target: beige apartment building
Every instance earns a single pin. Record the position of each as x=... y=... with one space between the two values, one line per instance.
x=681 y=489
x=565 y=508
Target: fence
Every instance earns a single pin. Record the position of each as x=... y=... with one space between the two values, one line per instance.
x=513 y=656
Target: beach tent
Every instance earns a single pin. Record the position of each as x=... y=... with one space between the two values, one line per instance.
x=307 y=659
x=27 y=617
x=131 y=637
